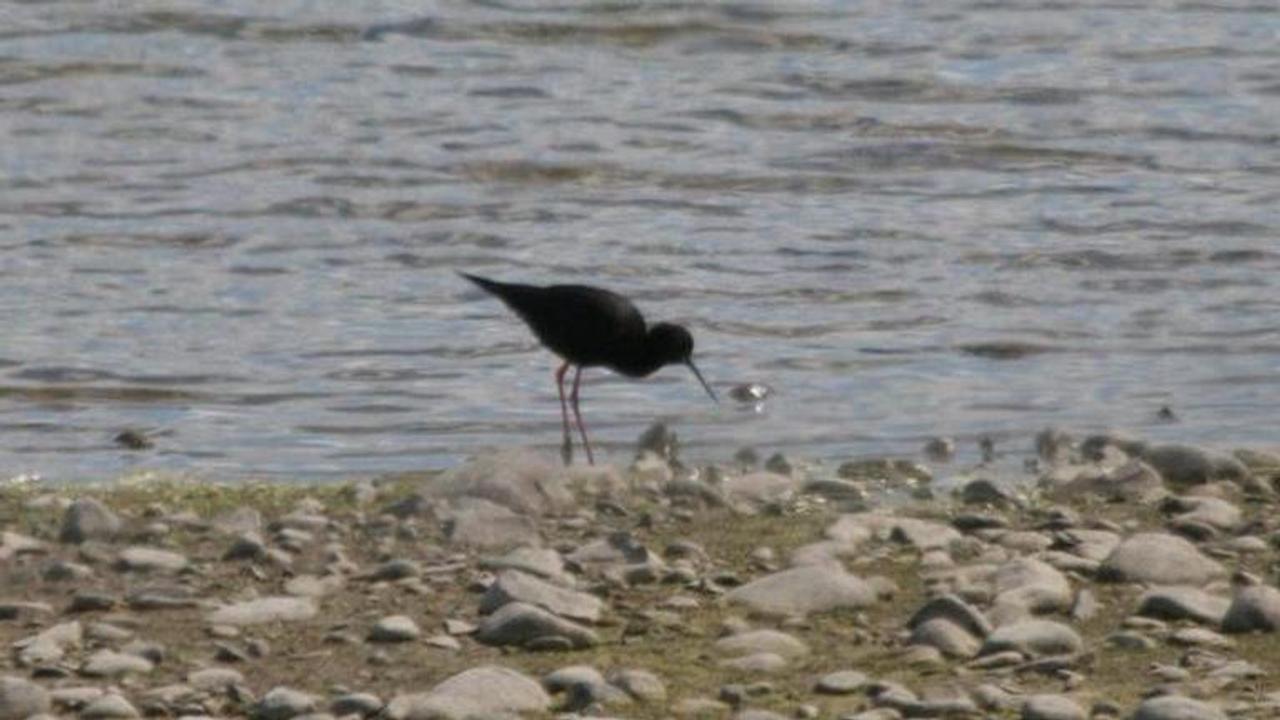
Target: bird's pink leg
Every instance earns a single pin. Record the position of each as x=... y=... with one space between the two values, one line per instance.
x=566 y=448
x=573 y=399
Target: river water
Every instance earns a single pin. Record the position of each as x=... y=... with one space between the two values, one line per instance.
x=234 y=224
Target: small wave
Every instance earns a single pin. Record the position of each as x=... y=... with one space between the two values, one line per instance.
x=1005 y=350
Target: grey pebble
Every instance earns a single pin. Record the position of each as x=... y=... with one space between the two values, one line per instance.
x=108 y=663
x=1176 y=707
x=363 y=704
x=21 y=698
x=841 y=682
x=1159 y=559
x=1052 y=707
x=109 y=707
x=393 y=629
x=89 y=519
x=1034 y=638
x=524 y=625
x=283 y=703
x=265 y=610
x=1253 y=608
x=516 y=586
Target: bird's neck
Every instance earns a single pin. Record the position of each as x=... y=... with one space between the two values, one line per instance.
x=645 y=360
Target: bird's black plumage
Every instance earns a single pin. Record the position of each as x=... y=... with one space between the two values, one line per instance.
x=589 y=327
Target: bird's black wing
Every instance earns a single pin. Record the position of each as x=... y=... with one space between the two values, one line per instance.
x=582 y=324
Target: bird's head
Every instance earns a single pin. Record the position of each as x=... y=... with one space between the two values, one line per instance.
x=673 y=344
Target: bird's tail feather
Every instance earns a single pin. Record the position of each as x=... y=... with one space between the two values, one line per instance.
x=483 y=283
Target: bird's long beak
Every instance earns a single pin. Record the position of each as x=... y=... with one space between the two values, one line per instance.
x=701 y=379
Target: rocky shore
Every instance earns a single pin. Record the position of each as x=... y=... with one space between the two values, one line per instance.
x=1106 y=578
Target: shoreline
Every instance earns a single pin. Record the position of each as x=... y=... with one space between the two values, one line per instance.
x=511 y=585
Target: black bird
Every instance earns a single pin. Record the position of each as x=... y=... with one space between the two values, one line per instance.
x=590 y=326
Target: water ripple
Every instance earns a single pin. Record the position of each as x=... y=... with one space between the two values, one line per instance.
x=238 y=226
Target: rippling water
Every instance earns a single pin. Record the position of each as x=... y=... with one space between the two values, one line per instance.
x=235 y=224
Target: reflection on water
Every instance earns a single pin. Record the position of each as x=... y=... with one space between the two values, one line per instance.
x=236 y=228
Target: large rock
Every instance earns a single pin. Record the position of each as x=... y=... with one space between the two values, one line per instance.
x=1034 y=638
x=1183 y=603
x=1189 y=465
x=1052 y=707
x=148 y=559
x=515 y=586
x=754 y=642
x=486 y=691
x=530 y=626
x=614 y=550
x=21 y=699
x=482 y=524
x=1213 y=512
x=639 y=684
x=88 y=519
x=49 y=645
x=543 y=562
x=283 y=703
x=804 y=590
x=1094 y=545
x=858 y=528
x=1135 y=481
x=853 y=529
x=954 y=609
x=521 y=480
x=1253 y=608
x=1176 y=707
x=111 y=664
x=13 y=544
x=109 y=706
x=1159 y=559
x=1033 y=584
x=265 y=610
x=757 y=489
x=923 y=534
x=948 y=637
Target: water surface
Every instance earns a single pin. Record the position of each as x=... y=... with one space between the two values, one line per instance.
x=235 y=224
